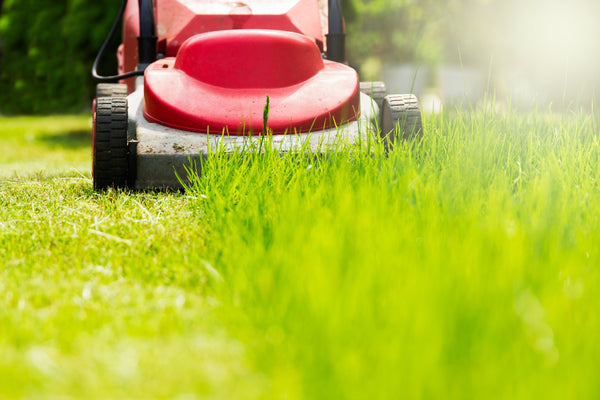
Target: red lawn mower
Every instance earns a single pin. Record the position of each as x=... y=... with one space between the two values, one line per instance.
x=197 y=74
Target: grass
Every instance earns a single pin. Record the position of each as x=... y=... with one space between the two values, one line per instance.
x=463 y=266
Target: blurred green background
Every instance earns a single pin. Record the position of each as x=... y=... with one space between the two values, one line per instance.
x=529 y=52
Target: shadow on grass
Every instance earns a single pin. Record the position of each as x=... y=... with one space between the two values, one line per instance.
x=76 y=139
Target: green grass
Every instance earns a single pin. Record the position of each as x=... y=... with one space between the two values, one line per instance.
x=463 y=266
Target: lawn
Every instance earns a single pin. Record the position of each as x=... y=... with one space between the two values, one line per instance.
x=461 y=266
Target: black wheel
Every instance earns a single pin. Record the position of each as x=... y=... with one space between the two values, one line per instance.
x=400 y=117
x=376 y=90
x=110 y=89
x=109 y=140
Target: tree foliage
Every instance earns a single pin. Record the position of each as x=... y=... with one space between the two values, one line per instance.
x=46 y=52
x=398 y=30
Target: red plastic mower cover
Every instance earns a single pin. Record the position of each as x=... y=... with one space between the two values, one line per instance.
x=219 y=81
x=178 y=20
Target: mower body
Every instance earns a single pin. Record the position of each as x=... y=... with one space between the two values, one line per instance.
x=178 y=20
x=224 y=72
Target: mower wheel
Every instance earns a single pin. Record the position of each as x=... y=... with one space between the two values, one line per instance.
x=376 y=90
x=400 y=117
x=109 y=89
x=109 y=140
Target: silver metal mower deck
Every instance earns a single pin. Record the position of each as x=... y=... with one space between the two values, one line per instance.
x=163 y=153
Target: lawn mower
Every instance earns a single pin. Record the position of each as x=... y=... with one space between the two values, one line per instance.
x=196 y=75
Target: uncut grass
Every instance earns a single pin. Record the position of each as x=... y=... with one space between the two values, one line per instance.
x=462 y=266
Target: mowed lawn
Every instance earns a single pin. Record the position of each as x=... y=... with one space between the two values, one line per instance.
x=463 y=266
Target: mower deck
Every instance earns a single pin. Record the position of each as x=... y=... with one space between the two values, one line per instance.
x=162 y=153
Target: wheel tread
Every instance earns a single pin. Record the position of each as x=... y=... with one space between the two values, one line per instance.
x=377 y=91
x=110 y=141
x=110 y=89
x=401 y=117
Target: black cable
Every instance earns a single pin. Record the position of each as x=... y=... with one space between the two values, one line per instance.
x=100 y=55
